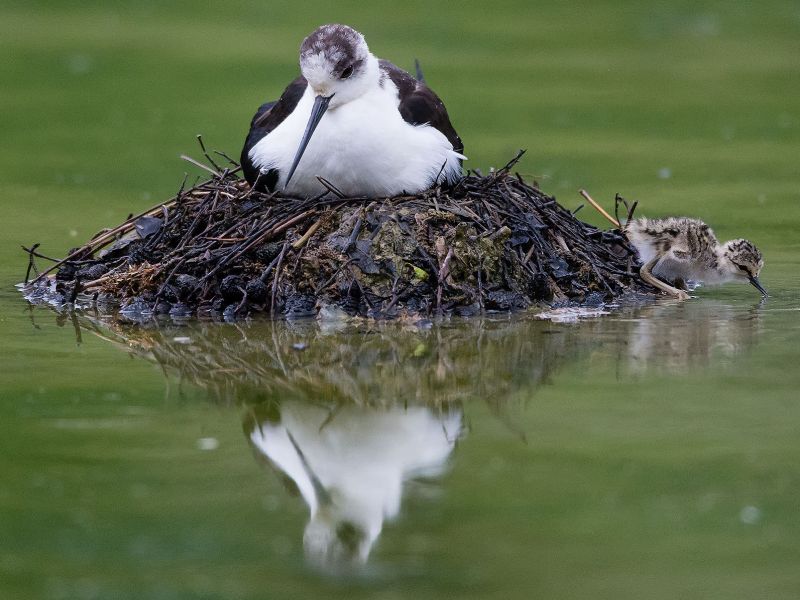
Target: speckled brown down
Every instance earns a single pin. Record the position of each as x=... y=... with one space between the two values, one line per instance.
x=680 y=249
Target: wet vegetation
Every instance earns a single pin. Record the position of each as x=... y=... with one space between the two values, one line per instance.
x=488 y=243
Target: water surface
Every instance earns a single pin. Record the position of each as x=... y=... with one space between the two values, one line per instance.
x=649 y=453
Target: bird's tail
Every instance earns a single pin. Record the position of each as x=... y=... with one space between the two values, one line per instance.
x=420 y=76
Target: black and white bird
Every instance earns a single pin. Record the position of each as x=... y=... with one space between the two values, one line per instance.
x=363 y=124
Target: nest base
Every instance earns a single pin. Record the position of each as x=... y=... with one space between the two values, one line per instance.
x=489 y=243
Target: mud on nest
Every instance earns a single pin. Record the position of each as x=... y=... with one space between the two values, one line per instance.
x=489 y=243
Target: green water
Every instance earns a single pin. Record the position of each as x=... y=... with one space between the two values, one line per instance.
x=652 y=453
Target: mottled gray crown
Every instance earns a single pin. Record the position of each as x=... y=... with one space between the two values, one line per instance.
x=339 y=45
x=744 y=253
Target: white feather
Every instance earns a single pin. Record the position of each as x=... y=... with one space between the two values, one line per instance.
x=363 y=147
x=362 y=457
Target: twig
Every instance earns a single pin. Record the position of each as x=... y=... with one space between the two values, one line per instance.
x=201 y=165
x=314 y=226
x=208 y=157
x=31 y=264
x=330 y=187
x=599 y=208
x=100 y=241
x=277 y=276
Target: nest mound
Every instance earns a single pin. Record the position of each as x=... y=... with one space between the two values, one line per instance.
x=488 y=243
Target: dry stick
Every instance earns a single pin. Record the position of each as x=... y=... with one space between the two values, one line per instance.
x=243 y=302
x=395 y=295
x=269 y=268
x=330 y=187
x=276 y=277
x=297 y=259
x=31 y=265
x=630 y=211
x=510 y=164
x=599 y=208
x=228 y=158
x=562 y=244
x=600 y=278
x=254 y=187
x=229 y=240
x=480 y=283
x=617 y=200
x=191 y=227
x=439 y=174
x=124 y=227
x=32 y=250
x=205 y=152
x=163 y=286
x=307 y=235
x=201 y=165
x=529 y=253
x=179 y=195
x=258 y=238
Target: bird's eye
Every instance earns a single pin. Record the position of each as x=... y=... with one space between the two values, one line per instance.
x=346 y=73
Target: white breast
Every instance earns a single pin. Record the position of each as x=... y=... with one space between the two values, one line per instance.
x=364 y=148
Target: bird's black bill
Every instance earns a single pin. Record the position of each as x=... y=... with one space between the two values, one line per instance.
x=757 y=284
x=319 y=108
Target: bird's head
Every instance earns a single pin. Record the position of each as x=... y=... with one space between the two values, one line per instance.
x=338 y=66
x=743 y=261
x=334 y=59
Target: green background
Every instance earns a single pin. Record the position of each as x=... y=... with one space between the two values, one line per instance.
x=626 y=486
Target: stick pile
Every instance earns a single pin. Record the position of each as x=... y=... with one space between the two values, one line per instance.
x=488 y=243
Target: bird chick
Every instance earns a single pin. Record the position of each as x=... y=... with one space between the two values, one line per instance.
x=679 y=249
x=675 y=250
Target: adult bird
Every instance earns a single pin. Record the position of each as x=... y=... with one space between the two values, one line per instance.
x=363 y=124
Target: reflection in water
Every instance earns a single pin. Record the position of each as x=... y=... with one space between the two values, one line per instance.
x=350 y=467
x=348 y=416
x=676 y=339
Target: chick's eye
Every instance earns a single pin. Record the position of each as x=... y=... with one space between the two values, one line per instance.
x=346 y=73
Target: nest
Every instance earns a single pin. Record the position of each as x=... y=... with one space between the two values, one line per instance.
x=489 y=243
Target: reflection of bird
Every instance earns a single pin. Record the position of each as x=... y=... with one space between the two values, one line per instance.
x=679 y=249
x=376 y=130
x=663 y=338
x=350 y=469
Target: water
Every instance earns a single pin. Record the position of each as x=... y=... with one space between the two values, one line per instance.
x=647 y=453
x=650 y=453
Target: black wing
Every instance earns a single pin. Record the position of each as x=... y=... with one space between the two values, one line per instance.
x=268 y=117
x=419 y=104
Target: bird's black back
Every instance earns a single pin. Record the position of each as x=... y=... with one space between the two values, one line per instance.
x=419 y=104
x=268 y=116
